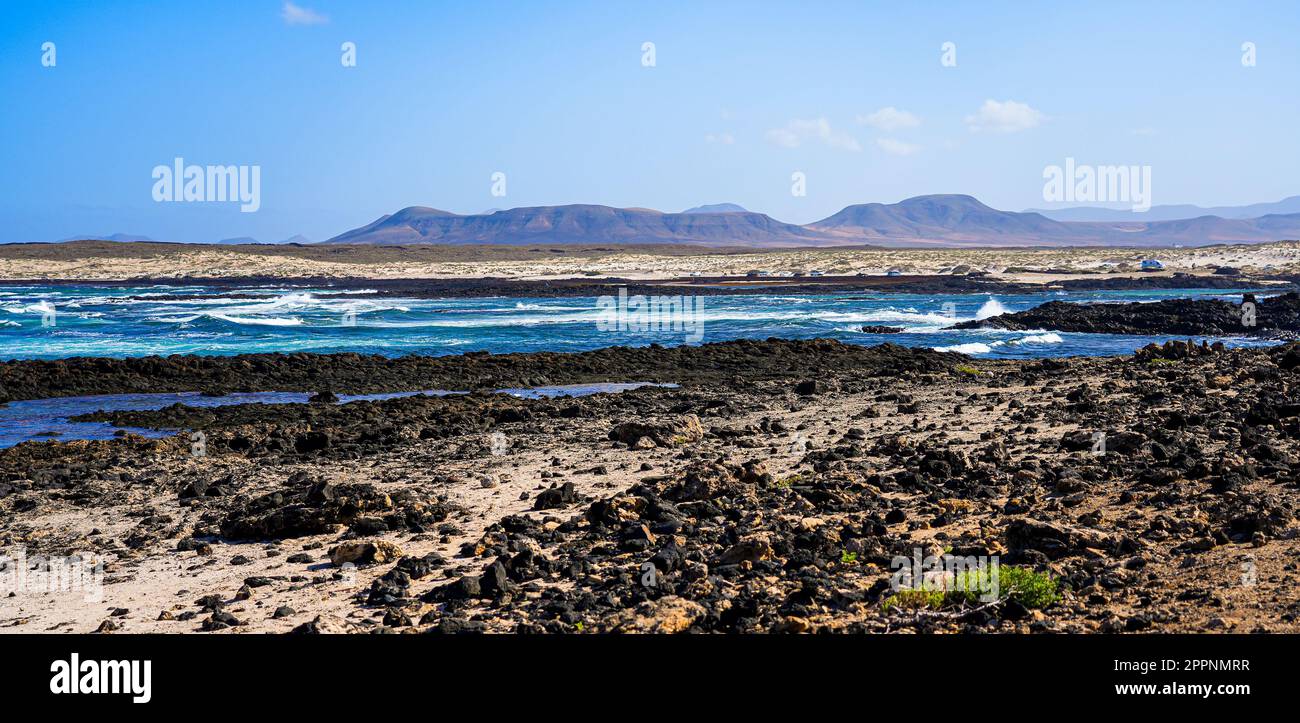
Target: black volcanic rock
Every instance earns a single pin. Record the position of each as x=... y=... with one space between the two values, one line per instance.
x=324 y=507
x=1278 y=316
x=350 y=373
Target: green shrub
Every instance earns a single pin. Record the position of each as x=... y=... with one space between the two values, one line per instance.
x=1031 y=589
x=793 y=479
x=916 y=600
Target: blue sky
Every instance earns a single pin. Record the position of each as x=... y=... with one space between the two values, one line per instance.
x=554 y=95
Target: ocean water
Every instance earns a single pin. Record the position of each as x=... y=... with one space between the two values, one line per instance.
x=53 y=322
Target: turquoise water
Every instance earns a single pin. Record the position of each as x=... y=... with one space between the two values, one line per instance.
x=52 y=322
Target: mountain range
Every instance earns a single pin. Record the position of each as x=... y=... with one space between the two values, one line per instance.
x=1175 y=212
x=718 y=208
x=933 y=220
x=118 y=237
x=136 y=238
x=581 y=224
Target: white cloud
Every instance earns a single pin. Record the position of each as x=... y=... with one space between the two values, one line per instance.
x=783 y=137
x=295 y=15
x=890 y=119
x=725 y=139
x=895 y=147
x=1004 y=117
x=797 y=131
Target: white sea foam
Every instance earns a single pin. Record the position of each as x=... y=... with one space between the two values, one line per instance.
x=521 y=306
x=897 y=315
x=976 y=347
x=1048 y=338
x=991 y=308
x=488 y=323
x=241 y=320
x=967 y=348
x=42 y=307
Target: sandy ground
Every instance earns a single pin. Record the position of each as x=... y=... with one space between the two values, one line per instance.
x=163 y=579
x=127 y=261
x=1203 y=591
x=166 y=580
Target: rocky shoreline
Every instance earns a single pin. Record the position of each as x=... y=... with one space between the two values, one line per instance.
x=349 y=373
x=1275 y=317
x=773 y=491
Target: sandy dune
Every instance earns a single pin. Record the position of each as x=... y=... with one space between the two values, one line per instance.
x=108 y=261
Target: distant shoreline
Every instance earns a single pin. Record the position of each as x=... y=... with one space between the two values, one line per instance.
x=570 y=287
x=543 y=270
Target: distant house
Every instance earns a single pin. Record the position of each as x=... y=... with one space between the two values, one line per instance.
x=1152 y=265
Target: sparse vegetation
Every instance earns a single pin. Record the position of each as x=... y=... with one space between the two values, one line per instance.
x=916 y=600
x=787 y=482
x=1033 y=590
